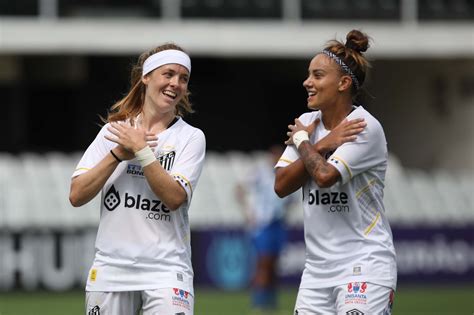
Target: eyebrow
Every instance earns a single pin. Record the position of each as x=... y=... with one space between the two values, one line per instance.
x=316 y=70
x=167 y=68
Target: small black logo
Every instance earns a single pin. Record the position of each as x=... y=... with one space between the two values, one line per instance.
x=180 y=313
x=134 y=170
x=111 y=199
x=95 y=310
x=166 y=160
x=354 y=312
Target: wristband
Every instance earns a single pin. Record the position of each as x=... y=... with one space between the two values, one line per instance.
x=299 y=137
x=145 y=156
x=116 y=157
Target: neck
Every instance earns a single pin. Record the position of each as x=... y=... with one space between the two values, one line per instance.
x=153 y=121
x=334 y=115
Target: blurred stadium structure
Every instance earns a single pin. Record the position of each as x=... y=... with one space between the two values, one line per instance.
x=62 y=62
x=235 y=27
x=35 y=194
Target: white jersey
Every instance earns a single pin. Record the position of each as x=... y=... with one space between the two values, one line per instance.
x=347 y=235
x=141 y=244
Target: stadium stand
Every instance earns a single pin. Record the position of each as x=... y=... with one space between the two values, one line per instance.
x=35 y=188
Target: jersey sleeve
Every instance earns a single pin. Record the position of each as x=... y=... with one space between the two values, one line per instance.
x=367 y=151
x=96 y=151
x=187 y=169
x=291 y=154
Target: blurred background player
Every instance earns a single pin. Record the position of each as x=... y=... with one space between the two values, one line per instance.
x=143 y=253
x=264 y=215
x=350 y=264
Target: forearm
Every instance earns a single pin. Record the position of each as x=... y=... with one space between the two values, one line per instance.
x=165 y=187
x=290 y=178
x=86 y=186
x=323 y=173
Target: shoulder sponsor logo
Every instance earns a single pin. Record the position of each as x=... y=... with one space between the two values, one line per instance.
x=111 y=199
x=335 y=201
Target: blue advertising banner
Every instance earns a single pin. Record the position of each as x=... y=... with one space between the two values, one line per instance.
x=225 y=258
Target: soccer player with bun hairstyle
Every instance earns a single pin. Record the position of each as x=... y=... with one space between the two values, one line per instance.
x=337 y=154
x=146 y=161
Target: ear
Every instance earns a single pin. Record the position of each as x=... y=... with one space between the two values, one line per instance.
x=345 y=83
x=146 y=79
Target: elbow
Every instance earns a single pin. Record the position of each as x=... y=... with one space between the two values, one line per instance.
x=174 y=205
x=279 y=190
x=281 y=185
x=74 y=194
x=75 y=197
x=324 y=181
x=74 y=200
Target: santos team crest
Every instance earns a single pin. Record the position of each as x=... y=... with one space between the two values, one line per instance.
x=95 y=310
x=167 y=159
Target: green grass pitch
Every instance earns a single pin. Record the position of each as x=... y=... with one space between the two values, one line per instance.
x=409 y=300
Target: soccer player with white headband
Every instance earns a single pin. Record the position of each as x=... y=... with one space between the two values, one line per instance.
x=146 y=161
x=337 y=154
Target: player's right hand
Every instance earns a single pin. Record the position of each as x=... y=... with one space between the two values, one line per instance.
x=346 y=131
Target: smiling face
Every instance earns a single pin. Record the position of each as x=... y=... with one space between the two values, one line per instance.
x=325 y=82
x=165 y=87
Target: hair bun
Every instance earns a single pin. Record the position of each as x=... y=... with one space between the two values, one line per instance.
x=357 y=41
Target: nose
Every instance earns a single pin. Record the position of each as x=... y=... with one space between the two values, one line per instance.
x=174 y=80
x=306 y=82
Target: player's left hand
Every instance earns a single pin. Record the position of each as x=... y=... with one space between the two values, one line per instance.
x=130 y=137
x=299 y=126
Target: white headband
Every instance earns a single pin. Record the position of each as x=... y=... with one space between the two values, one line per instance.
x=166 y=57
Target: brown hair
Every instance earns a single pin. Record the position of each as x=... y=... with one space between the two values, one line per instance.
x=131 y=104
x=351 y=53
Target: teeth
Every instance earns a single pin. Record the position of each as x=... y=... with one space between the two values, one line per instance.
x=170 y=94
x=311 y=93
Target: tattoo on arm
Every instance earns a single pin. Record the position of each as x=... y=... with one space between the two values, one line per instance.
x=313 y=161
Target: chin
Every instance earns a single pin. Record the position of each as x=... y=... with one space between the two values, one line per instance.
x=313 y=106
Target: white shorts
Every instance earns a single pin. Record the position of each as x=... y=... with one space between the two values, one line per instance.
x=151 y=302
x=355 y=298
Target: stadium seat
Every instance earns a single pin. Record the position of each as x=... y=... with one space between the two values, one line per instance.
x=34 y=191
